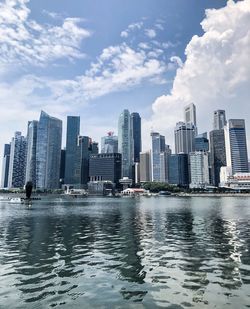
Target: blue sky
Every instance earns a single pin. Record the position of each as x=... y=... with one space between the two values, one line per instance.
x=94 y=58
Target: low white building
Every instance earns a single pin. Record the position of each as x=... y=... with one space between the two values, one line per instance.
x=199 y=169
x=238 y=181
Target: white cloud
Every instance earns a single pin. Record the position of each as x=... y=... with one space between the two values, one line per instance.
x=216 y=73
x=151 y=33
x=131 y=28
x=24 y=41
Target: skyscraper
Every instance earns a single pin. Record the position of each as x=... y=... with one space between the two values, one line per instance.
x=109 y=143
x=49 y=139
x=16 y=178
x=184 y=137
x=201 y=142
x=5 y=166
x=73 y=131
x=219 y=119
x=158 y=146
x=125 y=143
x=190 y=114
x=236 y=145
x=178 y=173
x=31 y=152
x=145 y=166
x=199 y=169
x=218 y=154
x=136 y=136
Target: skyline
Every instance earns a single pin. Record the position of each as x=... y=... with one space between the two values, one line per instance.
x=162 y=79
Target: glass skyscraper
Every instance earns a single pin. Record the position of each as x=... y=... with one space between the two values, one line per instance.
x=184 y=137
x=5 y=166
x=136 y=136
x=158 y=146
x=236 y=146
x=178 y=173
x=125 y=143
x=71 y=162
x=219 y=119
x=49 y=140
x=109 y=143
x=31 y=152
x=16 y=178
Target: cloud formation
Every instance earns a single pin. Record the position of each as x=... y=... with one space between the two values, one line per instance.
x=24 y=41
x=216 y=73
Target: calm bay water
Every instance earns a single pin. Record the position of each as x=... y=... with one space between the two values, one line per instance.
x=126 y=253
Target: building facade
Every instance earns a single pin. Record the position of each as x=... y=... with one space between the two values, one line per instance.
x=218 y=154
x=31 y=152
x=71 y=160
x=49 y=140
x=219 y=120
x=17 y=166
x=158 y=146
x=201 y=142
x=125 y=143
x=145 y=167
x=178 y=172
x=184 y=137
x=105 y=166
x=109 y=143
x=236 y=146
x=5 y=166
x=199 y=169
x=136 y=136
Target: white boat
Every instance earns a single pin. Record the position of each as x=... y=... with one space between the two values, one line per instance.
x=16 y=200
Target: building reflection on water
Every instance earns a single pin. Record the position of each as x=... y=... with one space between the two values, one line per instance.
x=156 y=251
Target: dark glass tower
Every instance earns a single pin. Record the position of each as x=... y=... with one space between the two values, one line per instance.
x=218 y=154
x=5 y=166
x=136 y=136
x=73 y=131
x=178 y=173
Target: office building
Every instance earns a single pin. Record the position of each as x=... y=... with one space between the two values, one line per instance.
x=236 y=146
x=164 y=166
x=145 y=166
x=219 y=120
x=71 y=160
x=136 y=136
x=217 y=154
x=158 y=146
x=178 y=173
x=31 y=152
x=125 y=143
x=62 y=166
x=199 y=169
x=184 y=137
x=190 y=114
x=201 y=142
x=105 y=166
x=16 y=178
x=5 y=166
x=109 y=143
x=49 y=140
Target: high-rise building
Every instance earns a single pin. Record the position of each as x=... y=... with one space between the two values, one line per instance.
x=184 y=137
x=109 y=143
x=62 y=166
x=16 y=178
x=178 y=173
x=136 y=136
x=145 y=166
x=236 y=145
x=190 y=114
x=158 y=146
x=31 y=152
x=5 y=166
x=73 y=131
x=105 y=166
x=201 y=142
x=125 y=143
x=49 y=140
x=219 y=119
x=218 y=154
x=199 y=169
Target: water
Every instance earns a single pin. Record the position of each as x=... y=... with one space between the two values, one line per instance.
x=126 y=253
